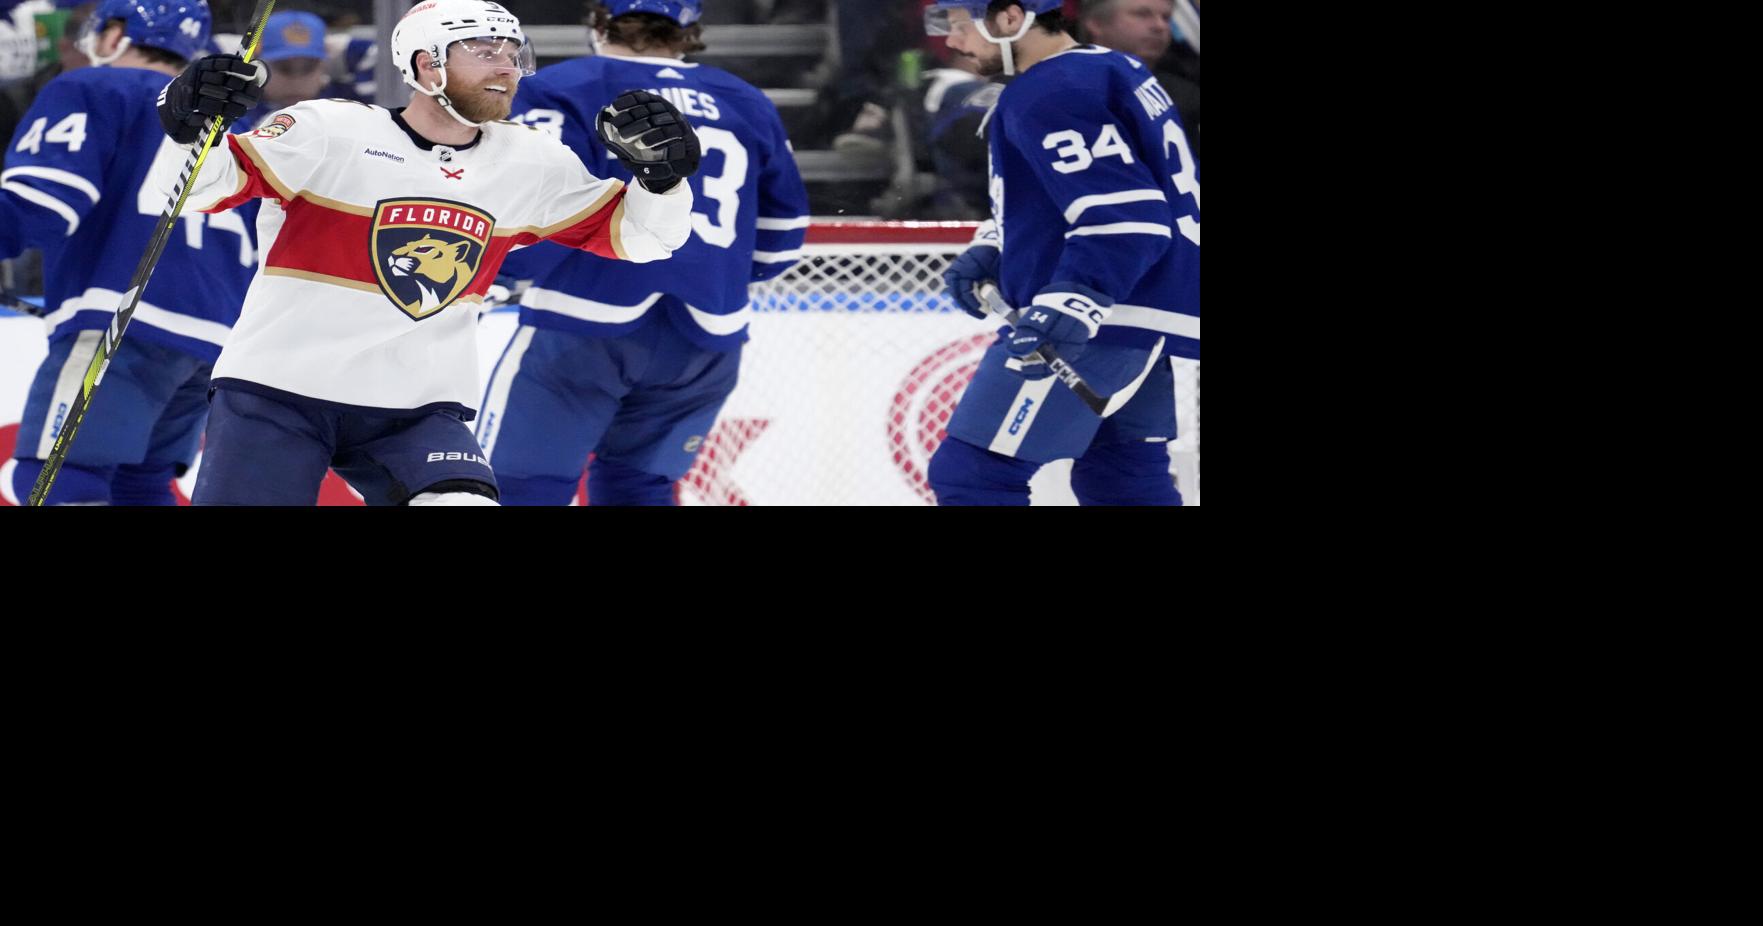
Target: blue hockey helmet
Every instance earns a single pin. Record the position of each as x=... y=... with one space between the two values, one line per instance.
x=936 y=16
x=936 y=21
x=684 y=12
x=180 y=27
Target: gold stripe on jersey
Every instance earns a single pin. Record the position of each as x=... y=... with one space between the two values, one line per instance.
x=250 y=149
x=612 y=188
x=336 y=204
x=617 y=232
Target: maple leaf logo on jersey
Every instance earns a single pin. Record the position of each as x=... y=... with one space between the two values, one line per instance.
x=427 y=251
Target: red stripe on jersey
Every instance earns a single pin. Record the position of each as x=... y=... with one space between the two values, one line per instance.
x=255 y=185
x=319 y=239
x=494 y=254
x=592 y=234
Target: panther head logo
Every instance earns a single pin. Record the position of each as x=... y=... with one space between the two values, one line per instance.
x=440 y=261
x=427 y=252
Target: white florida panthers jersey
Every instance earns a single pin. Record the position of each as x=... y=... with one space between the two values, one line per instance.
x=376 y=244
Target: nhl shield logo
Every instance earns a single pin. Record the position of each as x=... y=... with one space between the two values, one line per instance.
x=426 y=251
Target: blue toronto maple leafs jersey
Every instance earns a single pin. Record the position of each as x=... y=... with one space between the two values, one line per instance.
x=748 y=224
x=1092 y=182
x=74 y=185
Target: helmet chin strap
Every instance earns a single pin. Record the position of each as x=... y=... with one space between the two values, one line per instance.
x=439 y=93
x=1004 y=44
x=88 y=46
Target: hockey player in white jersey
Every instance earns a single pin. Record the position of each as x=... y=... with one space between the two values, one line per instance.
x=632 y=364
x=1095 y=240
x=74 y=185
x=357 y=346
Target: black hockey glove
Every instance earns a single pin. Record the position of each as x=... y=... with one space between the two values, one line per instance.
x=218 y=85
x=651 y=138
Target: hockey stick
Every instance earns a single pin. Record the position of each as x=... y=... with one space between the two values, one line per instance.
x=994 y=302
x=143 y=272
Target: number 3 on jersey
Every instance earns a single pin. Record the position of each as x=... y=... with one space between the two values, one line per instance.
x=549 y=121
x=1186 y=181
x=725 y=187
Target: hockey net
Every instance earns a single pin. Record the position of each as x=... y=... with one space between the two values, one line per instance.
x=856 y=362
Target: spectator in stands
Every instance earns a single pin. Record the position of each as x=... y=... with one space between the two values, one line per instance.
x=293 y=47
x=1141 y=28
x=956 y=100
x=22 y=71
x=351 y=60
x=794 y=12
x=862 y=93
x=18 y=37
x=1182 y=63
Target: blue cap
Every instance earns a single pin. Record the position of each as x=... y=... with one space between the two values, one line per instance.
x=292 y=35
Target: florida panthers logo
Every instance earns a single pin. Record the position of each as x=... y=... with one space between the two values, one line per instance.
x=275 y=127
x=426 y=252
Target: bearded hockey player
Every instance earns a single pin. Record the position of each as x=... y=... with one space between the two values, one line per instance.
x=356 y=349
x=1095 y=240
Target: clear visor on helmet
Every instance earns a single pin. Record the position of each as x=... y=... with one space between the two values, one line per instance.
x=492 y=52
x=946 y=20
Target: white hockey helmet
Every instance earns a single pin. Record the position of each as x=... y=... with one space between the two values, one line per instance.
x=435 y=25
